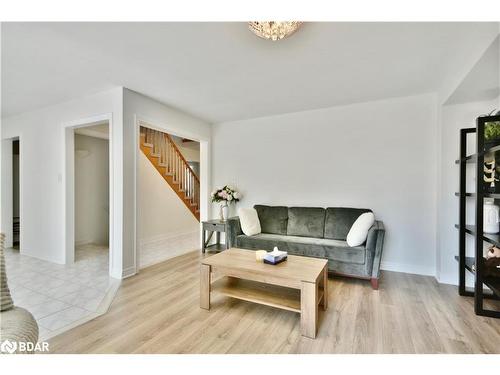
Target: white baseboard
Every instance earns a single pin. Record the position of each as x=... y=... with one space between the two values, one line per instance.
x=161 y=238
x=127 y=272
x=82 y=242
x=408 y=268
x=159 y=248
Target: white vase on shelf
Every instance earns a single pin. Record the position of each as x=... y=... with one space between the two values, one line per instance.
x=491 y=218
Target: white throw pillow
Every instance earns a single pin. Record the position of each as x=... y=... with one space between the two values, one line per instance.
x=359 y=230
x=250 y=224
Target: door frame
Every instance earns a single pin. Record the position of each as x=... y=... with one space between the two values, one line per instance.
x=204 y=170
x=7 y=198
x=69 y=187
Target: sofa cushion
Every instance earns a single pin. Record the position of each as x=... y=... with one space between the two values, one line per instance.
x=334 y=250
x=273 y=219
x=306 y=222
x=359 y=230
x=339 y=220
x=249 y=221
x=340 y=251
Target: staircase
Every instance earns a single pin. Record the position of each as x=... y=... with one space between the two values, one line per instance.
x=163 y=153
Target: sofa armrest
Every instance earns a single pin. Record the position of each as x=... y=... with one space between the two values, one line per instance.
x=375 y=244
x=233 y=230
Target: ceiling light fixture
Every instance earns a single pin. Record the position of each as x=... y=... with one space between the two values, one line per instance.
x=274 y=30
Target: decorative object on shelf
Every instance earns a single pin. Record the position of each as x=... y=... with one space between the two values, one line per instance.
x=491 y=217
x=490 y=175
x=260 y=255
x=491 y=134
x=274 y=30
x=493 y=252
x=225 y=195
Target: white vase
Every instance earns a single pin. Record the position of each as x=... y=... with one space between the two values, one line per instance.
x=491 y=218
x=225 y=212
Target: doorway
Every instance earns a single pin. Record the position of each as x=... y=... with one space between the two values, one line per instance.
x=93 y=162
x=168 y=196
x=91 y=193
x=11 y=199
x=16 y=196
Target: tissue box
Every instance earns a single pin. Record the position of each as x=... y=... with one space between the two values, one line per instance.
x=275 y=257
x=276 y=261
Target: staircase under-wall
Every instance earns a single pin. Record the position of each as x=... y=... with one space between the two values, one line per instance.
x=165 y=156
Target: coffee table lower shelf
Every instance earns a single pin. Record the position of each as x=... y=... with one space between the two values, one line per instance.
x=265 y=294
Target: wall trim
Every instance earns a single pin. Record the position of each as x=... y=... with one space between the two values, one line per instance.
x=82 y=242
x=408 y=268
x=164 y=237
x=128 y=272
x=161 y=245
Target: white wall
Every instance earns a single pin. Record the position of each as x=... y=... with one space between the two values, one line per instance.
x=190 y=154
x=161 y=217
x=42 y=137
x=91 y=190
x=162 y=117
x=380 y=155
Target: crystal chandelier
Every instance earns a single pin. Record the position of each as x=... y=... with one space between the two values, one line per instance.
x=274 y=30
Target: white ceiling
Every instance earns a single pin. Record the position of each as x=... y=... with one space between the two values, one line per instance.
x=221 y=71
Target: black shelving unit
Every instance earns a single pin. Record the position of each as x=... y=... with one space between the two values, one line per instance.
x=475 y=265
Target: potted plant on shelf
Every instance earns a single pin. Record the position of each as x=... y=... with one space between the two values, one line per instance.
x=225 y=195
x=491 y=134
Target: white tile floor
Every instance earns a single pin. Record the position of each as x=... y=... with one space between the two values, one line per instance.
x=61 y=296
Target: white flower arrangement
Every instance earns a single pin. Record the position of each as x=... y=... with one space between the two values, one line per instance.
x=226 y=194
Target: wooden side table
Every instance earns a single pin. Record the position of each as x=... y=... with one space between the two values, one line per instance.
x=211 y=226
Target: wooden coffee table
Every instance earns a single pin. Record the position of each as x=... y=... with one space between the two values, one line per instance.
x=299 y=284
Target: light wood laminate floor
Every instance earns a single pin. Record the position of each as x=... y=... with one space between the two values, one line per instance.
x=157 y=311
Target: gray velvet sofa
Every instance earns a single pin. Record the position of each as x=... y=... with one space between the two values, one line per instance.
x=315 y=232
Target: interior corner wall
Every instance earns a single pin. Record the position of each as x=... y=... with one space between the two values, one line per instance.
x=42 y=167
x=139 y=107
x=379 y=155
